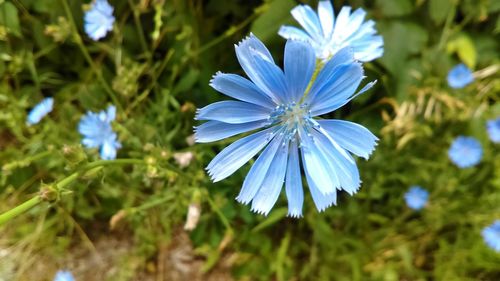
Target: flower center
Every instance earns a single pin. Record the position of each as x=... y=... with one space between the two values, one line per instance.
x=291 y=117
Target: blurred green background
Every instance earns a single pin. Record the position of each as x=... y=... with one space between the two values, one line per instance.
x=126 y=222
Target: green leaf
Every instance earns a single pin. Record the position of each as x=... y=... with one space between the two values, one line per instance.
x=464 y=47
x=439 y=9
x=395 y=8
x=9 y=18
x=276 y=14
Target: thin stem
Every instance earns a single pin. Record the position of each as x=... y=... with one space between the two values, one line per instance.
x=95 y=69
x=12 y=213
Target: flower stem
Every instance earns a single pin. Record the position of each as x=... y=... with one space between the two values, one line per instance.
x=27 y=205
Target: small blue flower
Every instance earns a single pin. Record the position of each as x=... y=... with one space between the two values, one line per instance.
x=493 y=127
x=64 y=275
x=328 y=35
x=97 y=132
x=491 y=235
x=465 y=152
x=283 y=107
x=460 y=76
x=39 y=111
x=416 y=197
x=99 y=19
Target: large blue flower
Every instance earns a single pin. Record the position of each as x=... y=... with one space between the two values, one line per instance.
x=98 y=21
x=491 y=235
x=460 y=76
x=284 y=104
x=63 y=275
x=97 y=132
x=465 y=152
x=39 y=111
x=493 y=127
x=329 y=35
x=416 y=197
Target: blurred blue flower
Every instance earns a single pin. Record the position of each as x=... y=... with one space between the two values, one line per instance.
x=493 y=127
x=283 y=106
x=328 y=35
x=99 y=19
x=465 y=152
x=63 y=275
x=460 y=76
x=39 y=111
x=491 y=235
x=97 y=132
x=416 y=197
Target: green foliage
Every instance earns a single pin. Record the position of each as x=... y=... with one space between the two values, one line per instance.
x=155 y=67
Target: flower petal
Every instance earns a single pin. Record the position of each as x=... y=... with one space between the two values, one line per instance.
x=291 y=32
x=270 y=190
x=214 y=130
x=316 y=166
x=341 y=85
x=322 y=201
x=237 y=154
x=240 y=88
x=351 y=136
x=293 y=183
x=300 y=61
x=255 y=177
x=309 y=20
x=233 y=112
x=270 y=79
x=326 y=17
x=342 y=27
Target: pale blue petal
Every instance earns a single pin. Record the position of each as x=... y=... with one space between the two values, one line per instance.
x=351 y=136
x=342 y=25
x=233 y=112
x=293 y=183
x=491 y=235
x=240 y=88
x=111 y=113
x=322 y=201
x=63 y=275
x=109 y=149
x=98 y=21
x=460 y=76
x=256 y=175
x=271 y=78
x=339 y=162
x=341 y=86
x=237 y=154
x=416 y=198
x=309 y=20
x=316 y=166
x=39 y=111
x=291 y=32
x=493 y=128
x=326 y=17
x=270 y=190
x=299 y=65
x=214 y=130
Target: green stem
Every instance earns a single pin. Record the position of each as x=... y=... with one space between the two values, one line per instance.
x=27 y=205
x=12 y=213
x=95 y=69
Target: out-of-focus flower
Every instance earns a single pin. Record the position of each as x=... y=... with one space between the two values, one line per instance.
x=97 y=132
x=328 y=35
x=416 y=197
x=99 y=19
x=64 y=275
x=183 y=159
x=193 y=216
x=493 y=128
x=284 y=108
x=39 y=111
x=465 y=152
x=491 y=235
x=460 y=76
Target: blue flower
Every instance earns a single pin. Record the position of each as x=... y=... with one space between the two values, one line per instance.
x=460 y=76
x=493 y=127
x=63 y=275
x=98 y=21
x=39 y=111
x=97 y=132
x=491 y=235
x=283 y=105
x=416 y=197
x=328 y=35
x=465 y=152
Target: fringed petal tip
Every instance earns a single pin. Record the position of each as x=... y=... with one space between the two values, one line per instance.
x=295 y=214
x=260 y=212
x=323 y=208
